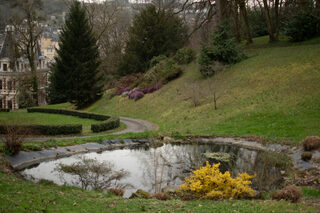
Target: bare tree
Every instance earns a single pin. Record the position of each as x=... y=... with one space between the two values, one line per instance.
x=13 y=134
x=215 y=87
x=110 y=22
x=92 y=174
x=25 y=18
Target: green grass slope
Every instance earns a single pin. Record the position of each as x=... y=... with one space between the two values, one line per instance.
x=274 y=93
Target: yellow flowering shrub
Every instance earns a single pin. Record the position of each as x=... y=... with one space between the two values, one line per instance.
x=209 y=183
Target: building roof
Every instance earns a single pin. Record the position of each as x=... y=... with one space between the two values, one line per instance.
x=9 y=49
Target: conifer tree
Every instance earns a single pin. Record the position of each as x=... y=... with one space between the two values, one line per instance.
x=75 y=75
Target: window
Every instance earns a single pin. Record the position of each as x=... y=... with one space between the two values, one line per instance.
x=9 y=86
x=5 y=67
x=0 y=103
x=0 y=84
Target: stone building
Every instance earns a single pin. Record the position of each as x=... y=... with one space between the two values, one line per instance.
x=14 y=69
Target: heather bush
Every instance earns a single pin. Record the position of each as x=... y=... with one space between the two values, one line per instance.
x=310 y=143
x=153 y=88
x=209 y=183
x=156 y=60
x=184 y=56
x=306 y=156
x=128 y=81
x=136 y=94
x=292 y=193
x=120 y=91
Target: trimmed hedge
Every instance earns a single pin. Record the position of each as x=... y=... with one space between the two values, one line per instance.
x=4 y=110
x=106 y=124
x=80 y=114
x=49 y=129
x=111 y=123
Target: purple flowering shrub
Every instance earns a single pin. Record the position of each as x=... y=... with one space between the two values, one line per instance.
x=136 y=94
x=152 y=88
x=120 y=91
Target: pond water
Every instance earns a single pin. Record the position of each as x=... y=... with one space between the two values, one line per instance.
x=152 y=169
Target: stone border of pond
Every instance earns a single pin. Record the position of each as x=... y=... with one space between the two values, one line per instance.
x=23 y=160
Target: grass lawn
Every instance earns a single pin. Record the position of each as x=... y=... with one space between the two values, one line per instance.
x=18 y=195
x=52 y=119
x=275 y=93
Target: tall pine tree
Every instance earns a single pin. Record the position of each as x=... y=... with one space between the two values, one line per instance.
x=75 y=75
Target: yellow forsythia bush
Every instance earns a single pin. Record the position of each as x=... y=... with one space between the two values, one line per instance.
x=209 y=183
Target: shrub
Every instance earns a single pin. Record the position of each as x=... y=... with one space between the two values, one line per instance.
x=301 y=25
x=310 y=143
x=292 y=193
x=111 y=123
x=211 y=69
x=161 y=196
x=4 y=110
x=120 y=91
x=153 y=88
x=93 y=174
x=46 y=129
x=117 y=191
x=80 y=114
x=208 y=182
x=222 y=48
x=306 y=156
x=136 y=94
x=13 y=137
x=153 y=32
x=156 y=60
x=184 y=56
x=128 y=81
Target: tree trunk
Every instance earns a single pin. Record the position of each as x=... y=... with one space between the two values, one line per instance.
x=268 y=21
x=236 y=21
x=221 y=10
x=277 y=18
x=215 y=100
x=242 y=5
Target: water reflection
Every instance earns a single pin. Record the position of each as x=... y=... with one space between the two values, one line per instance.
x=151 y=169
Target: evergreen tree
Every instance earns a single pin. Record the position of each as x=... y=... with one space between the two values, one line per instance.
x=154 y=32
x=75 y=75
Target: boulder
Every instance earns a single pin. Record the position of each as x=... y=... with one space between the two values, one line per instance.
x=140 y=194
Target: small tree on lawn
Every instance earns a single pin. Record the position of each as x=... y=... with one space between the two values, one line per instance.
x=75 y=75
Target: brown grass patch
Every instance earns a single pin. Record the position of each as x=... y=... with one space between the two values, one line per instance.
x=161 y=196
x=117 y=191
x=311 y=143
x=292 y=193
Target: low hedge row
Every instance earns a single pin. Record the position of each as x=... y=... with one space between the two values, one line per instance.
x=47 y=129
x=111 y=123
x=80 y=114
x=4 y=110
x=106 y=124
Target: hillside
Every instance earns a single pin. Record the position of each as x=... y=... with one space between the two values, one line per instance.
x=274 y=93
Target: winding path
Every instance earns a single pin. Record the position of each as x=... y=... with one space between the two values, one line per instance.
x=133 y=125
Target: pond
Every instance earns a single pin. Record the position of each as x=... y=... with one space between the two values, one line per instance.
x=152 y=169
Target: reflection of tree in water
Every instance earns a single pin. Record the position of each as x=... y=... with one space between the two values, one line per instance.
x=169 y=165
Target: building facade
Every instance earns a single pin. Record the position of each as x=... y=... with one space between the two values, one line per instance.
x=15 y=69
